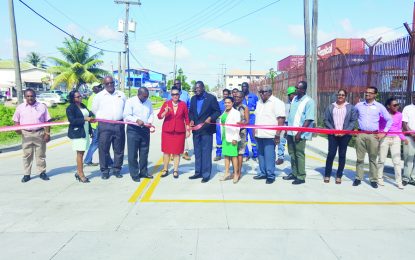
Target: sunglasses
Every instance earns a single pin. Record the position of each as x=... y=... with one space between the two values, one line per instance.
x=262 y=92
x=370 y=93
x=395 y=105
x=341 y=95
x=109 y=83
x=175 y=94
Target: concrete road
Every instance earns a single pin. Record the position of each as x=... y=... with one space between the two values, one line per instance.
x=184 y=219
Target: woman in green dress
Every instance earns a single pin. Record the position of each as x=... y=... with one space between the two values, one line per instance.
x=230 y=138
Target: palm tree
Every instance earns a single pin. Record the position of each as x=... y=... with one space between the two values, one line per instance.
x=35 y=59
x=78 y=67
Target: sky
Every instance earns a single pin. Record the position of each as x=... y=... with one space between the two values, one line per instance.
x=211 y=32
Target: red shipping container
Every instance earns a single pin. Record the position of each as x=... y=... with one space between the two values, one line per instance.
x=346 y=46
x=290 y=62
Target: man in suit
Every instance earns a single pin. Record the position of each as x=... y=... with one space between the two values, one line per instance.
x=204 y=109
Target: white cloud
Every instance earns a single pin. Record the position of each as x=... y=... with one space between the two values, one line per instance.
x=158 y=49
x=73 y=29
x=107 y=33
x=221 y=36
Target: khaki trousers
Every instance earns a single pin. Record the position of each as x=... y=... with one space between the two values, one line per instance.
x=33 y=146
x=367 y=143
x=394 y=144
x=409 y=160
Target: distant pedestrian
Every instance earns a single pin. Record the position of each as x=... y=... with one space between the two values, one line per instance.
x=234 y=92
x=225 y=93
x=281 y=146
x=79 y=130
x=338 y=116
x=391 y=142
x=204 y=109
x=96 y=88
x=230 y=139
x=408 y=121
x=370 y=112
x=34 y=138
x=250 y=100
x=175 y=129
x=244 y=111
x=301 y=115
x=139 y=110
x=109 y=105
x=269 y=111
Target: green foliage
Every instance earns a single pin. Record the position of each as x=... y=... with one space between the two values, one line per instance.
x=35 y=59
x=156 y=99
x=183 y=78
x=78 y=67
x=6 y=119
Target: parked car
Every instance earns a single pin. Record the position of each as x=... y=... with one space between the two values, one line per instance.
x=60 y=93
x=56 y=98
x=47 y=102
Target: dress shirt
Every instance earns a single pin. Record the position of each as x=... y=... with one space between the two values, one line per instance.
x=135 y=109
x=339 y=114
x=395 y=127
x=308 y=114
x=408 y=116
x=267 y=114
x=26 y=114
x=369 y=115
x=109 y=106
x=199 y=102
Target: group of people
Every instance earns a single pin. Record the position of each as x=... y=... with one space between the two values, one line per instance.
x=240 y=116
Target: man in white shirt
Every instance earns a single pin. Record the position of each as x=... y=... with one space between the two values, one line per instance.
x=269 y=111
x=408 y=124
x=109 y=104
x=139 y=110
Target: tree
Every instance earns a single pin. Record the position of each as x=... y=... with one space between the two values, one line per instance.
x=35 y=59
x=182 y=78
x=78 y=67
x=271 y=75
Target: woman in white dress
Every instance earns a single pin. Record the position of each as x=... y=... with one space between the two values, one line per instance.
x=79 y=130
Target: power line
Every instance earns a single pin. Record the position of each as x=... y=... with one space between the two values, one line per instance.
x=232 y=21
x=139 y=63
x=62 y=30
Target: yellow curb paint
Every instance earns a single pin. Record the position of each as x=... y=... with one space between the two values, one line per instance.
x=143 y=185
x=150 y=190
x=286 y=202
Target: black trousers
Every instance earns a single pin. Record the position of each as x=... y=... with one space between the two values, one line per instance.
x=111 y=134
x=138 y=142
x=340 y=143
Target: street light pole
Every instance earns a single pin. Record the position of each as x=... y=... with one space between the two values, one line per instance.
x=17 y=76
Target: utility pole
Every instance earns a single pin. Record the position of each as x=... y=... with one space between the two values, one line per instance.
x=411 y=32
x=175 y=42
x=17 y=76
x=126 y=42
x=250 y=67
x=223 y=72
x=307 y=41
x=120 y=73
x=314 y=73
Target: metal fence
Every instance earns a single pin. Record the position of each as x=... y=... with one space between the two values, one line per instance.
x=384 y=66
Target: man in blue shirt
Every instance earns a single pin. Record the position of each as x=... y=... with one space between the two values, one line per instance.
x=184 y=96
x=225 y=93
x=250 y=101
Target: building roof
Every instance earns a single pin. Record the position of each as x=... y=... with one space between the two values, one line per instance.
x=246 y=73
x=9 y=64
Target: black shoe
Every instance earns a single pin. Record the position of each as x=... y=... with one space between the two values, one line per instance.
x=91 y=164
x=176 y=174
x=26 y=178
x=289 y=177
x=297 y=182
x=260 y=177
x=217 y=158
x=254 y=159
x=356 y=182
x=105 y=176
x=412 y=182
x=117 y=174
x=146 y=176
x=270 y=181
x=404 y=183
x=136 y=179
x=43 y=176
x=374 y=184
x=165 y=174
x=193 y=177
x=204 y=180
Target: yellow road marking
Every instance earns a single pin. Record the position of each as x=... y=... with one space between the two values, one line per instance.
x=49 y=147
x=150 y=190
x=145 y=183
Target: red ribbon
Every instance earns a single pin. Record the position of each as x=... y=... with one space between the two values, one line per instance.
x=303 y=129
x=35 y=126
